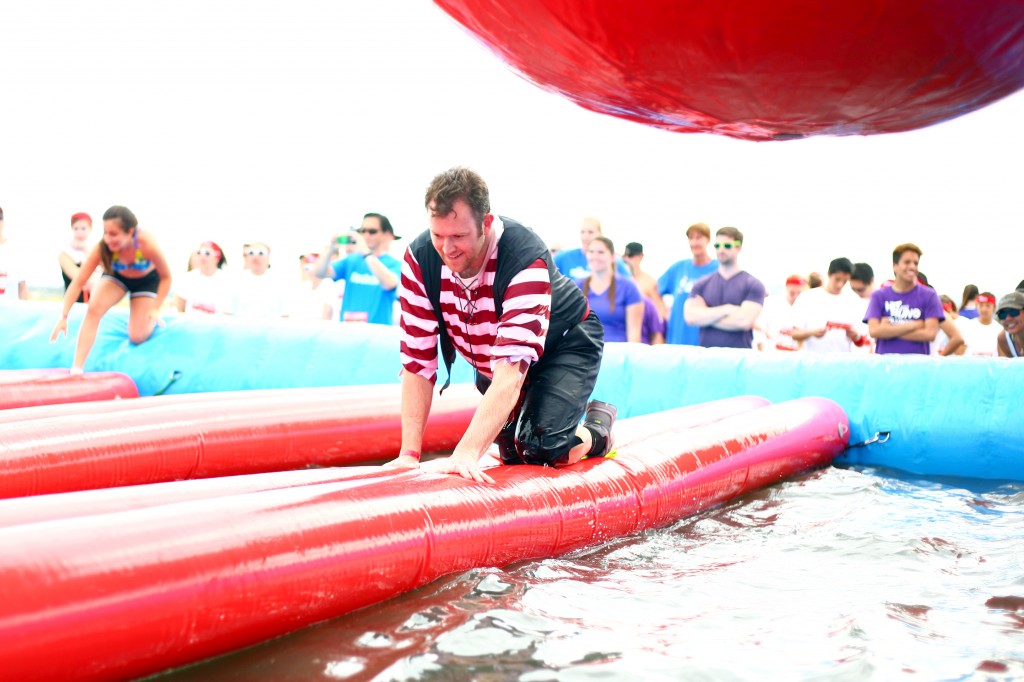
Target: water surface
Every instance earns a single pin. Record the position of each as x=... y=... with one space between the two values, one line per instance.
x=842 y=574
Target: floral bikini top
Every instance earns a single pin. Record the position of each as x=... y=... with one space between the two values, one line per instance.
x=140 y=263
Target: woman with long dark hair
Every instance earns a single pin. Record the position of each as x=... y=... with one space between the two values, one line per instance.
x=615 y=300
x=133 y=264
x=969 y=304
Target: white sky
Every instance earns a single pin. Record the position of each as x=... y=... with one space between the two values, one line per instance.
x=286 y=121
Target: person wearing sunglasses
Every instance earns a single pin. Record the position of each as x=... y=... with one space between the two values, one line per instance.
x=486 y=287
x=205 y=289
x=133 y=265
x=367 y=278
x=726 y=303
x=904 y=318
x=1008 y=312
x=258 y=291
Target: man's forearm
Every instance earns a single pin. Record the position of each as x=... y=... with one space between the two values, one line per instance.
x=883 y=329
x=734 y=322
x=323 y=267
x=388 y=280
x=417 y=396
x=925 y=333
x=703 y=316
x=494 y=410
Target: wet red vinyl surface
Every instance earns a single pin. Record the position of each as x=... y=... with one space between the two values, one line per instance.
x=124 y=594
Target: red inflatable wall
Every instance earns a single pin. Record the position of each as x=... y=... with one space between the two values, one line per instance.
x=205 y=435
x=38 y=508
x=119 y=595
x=28 y=387
x=761 y=70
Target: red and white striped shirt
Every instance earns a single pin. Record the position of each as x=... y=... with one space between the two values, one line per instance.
x=469 y=314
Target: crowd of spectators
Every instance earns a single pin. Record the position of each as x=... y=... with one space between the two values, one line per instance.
x=705 y=299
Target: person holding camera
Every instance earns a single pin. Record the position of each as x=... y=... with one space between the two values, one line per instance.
x=368 y=275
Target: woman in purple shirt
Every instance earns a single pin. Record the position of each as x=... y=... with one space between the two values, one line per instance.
x=615 y=300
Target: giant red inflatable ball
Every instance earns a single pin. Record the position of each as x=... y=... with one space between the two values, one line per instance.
x=761 y=69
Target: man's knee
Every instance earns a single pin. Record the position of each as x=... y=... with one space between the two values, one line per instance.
x=545 y=446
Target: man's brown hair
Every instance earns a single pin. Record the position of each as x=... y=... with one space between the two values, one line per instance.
x=898 y=252
x=458 y=183
x=731 y=232
x=700 y=228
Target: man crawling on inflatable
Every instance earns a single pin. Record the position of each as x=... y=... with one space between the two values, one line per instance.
x=486 y=286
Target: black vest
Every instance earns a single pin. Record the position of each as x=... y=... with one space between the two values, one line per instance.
x=518 y=247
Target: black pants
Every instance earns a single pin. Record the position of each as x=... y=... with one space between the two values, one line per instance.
x=542 y=428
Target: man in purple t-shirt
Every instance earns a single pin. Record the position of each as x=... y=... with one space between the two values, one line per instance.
x=904 y=318
x=726 y=304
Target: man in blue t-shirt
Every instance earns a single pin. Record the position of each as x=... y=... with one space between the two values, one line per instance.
x=370 y=276
x=904 y=318
x=573 y=262
x=679 y=279
x=726 y=303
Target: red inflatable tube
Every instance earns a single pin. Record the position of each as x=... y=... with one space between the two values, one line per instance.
x=343 y=394
x=107 y=500
x=121 y=595
x=202 y=439
x=29 y=387
x=769 y=70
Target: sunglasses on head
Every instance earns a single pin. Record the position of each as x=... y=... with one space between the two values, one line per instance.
x=1007 y=312
x=255 y=252
x=206 y=252
x=363 y=230
x=727 y=245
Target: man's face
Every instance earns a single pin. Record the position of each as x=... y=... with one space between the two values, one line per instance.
x=862 y=289
x=792 y=291
x=698 y=243
x=257 y=258
x=986 y=311
x=372 y=233
x=460 y=240
x=726 y=249
x=588 y=230
x=905 y=269
x=836 y=282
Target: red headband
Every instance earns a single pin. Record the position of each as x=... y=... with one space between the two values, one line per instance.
x=213 y=245
x=799 y=281
x=983 y=298
x=948 y=306
x=81 y=216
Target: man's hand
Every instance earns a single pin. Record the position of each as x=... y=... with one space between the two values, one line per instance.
x=463 y=464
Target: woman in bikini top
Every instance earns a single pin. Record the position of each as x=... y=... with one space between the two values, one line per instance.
x=133 y=264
